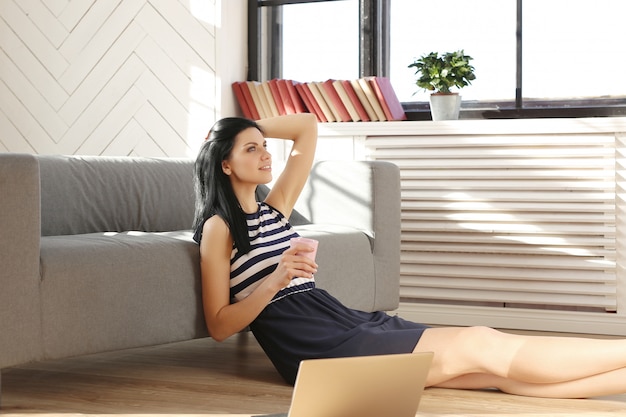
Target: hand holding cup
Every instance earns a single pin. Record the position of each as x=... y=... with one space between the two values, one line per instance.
x=306 y=241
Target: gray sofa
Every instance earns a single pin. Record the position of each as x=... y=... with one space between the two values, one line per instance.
x=96 y=252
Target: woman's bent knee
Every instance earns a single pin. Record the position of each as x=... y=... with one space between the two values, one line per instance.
x=465 y=350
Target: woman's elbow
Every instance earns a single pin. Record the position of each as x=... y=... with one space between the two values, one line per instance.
x=218 y=337
x=218 y=331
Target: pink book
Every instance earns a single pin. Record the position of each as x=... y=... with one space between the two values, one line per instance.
x=296 y=97
x=243 y=105
x=306 y=98
x=347 y=86
x=245 y=91
x=333 y=97
x=280 y=105
x=387 y=97
x=286 y=97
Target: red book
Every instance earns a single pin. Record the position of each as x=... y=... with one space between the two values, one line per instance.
x=296 y=97
x=347 y=85
x=309 y=101
x=333 y=97
x=244 y=98
x=387 y=98
x=254 y=89
x=283 y=90
x=273 y=83
x=315 y=89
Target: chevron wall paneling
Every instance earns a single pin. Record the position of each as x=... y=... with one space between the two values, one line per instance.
x=107 y=77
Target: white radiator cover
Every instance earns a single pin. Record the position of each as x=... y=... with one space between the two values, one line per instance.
x=506 y=223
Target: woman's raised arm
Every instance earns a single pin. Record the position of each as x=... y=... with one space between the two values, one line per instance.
x=302 y=130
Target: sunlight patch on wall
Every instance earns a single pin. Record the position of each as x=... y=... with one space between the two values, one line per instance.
x=204 y=10
x=203 y=106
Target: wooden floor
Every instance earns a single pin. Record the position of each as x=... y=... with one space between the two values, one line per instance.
x=203 y=377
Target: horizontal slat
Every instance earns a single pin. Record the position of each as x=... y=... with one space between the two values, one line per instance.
x=503 y=285
x=497 y=153
x=537 y=185
x=414 y=276
x=512 y=261
x=593 y=173
x=523 y=196
x=512 y=228
x=509 y=297
x=503 y=141
x=479 y=216
x=510 y=273
x=607 y=207
x=519 y=249
x=529 y=241
x=405 y=159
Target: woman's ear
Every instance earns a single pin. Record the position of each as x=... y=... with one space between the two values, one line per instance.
x=226 y=168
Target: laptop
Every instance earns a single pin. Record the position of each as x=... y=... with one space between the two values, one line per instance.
x=362 y=386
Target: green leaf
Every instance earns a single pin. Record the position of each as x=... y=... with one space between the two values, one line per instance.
x=440 y=72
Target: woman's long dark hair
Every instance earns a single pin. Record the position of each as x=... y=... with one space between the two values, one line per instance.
x=214 y=192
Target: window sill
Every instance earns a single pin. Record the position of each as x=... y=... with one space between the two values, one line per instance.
x=533 y=110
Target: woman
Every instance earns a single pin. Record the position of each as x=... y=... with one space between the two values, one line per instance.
x=251 y=277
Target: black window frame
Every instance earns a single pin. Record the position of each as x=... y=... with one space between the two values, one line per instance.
x=374 y=60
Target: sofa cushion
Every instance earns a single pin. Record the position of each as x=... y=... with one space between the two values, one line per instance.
x=81 y=194
x=107 y=291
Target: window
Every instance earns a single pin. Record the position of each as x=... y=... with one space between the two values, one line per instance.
x=573 y=49
x=320 y=40
x=491 y=43
x=533 y=58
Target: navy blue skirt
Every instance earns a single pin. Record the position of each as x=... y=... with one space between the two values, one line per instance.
x=314 y=324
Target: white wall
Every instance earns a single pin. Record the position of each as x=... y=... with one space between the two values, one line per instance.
x=129 y=77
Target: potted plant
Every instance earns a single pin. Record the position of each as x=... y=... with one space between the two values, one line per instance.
x=440 y=73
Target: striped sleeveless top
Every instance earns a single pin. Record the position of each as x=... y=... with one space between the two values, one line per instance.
x=269 y=233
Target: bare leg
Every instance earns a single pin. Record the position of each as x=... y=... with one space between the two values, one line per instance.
x=525 y=359
x=613 y=382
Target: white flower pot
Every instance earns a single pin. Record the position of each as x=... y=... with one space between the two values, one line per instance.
x=445 y=106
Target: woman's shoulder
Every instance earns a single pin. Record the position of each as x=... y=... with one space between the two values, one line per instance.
x=215 y=225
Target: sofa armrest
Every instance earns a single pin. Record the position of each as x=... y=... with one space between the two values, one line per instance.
x=20 y=305
x=364 y=195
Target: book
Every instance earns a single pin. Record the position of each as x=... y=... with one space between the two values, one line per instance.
x=326 y=100
x=345 y=99
x=285 y=97
x=273 y=84
x=310 y=102
x=296 y=97
x=363 y=100
x=329 y=103
x=245 y=89
x=254 y=92
x=387 y=97
x=269 y=99
x=371 y=97
x=243 y=103
x=332 y=97
x=319 y=98
x=349 y=89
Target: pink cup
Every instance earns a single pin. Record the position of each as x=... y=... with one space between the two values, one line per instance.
x=310 y=242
